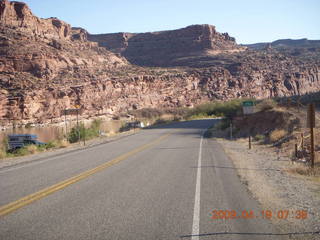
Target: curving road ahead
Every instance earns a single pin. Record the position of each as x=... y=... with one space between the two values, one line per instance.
x=161 y=183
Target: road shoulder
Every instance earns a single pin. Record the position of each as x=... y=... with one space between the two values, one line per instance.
x=264 y=173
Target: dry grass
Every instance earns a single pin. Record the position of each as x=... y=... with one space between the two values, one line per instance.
x=277 y=134
x=3 y=153
x=313 y=173
x=32 y=149
x=63 y=143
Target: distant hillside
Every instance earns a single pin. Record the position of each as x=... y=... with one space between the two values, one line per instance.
x=166 y=48
x=286 y=43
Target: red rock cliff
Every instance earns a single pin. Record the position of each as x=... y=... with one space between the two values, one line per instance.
x=46 y=66
x=162 y=48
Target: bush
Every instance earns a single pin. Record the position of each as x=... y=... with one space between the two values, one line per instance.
x=21 y=152
x=266 y=105
x=259 y=137
x=31 y=149
x=124 y=127
x=28 y=125
x=160 y=121
x=277 y=134
x=63 y=143
x=80 y=132
x=51 y=144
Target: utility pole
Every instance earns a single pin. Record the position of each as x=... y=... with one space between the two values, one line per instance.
x=65 y=122
x=311 y=120
x=78 y=125
x=231 y=129
x=84 y=135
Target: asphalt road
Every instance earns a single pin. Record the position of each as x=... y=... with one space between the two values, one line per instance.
x=161 y=183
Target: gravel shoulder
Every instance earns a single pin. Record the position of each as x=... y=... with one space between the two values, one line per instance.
x=264 y=171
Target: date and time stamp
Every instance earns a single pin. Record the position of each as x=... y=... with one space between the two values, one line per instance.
x=220 y=214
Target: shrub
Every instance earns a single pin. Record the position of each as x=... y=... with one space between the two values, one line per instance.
x=277 y=134
x=80 y=132
x=75 y=134
x=51 y=144
x=266 y=105
x=259 y=137
x=28 y=125
x=63 y=143
x=227 y=109
x=124 y=127
x=21 y=152
x=160 y=121
x=96 y=124
x=31 y=149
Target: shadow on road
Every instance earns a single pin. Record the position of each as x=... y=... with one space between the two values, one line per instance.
x=255 y=234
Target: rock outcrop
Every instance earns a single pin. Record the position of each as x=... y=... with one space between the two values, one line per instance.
x=18 y=15
x=46 y=66
x=163 y=48
x=45 y=47
x=286 y=43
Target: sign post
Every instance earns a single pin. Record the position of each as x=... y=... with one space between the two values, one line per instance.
x=248 y=108
x=311 y=121
x=65 y=121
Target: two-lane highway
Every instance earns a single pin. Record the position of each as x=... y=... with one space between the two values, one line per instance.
x=160 y=183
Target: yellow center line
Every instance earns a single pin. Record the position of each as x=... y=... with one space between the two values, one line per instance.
x=10 y=207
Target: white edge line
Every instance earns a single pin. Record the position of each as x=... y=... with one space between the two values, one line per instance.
x=196 y=209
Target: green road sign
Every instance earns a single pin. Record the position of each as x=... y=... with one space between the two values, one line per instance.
x=248 y=103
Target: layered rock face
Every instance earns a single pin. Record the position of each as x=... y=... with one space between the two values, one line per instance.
x=18 y=15
x=163 y=48
x=45 y=47
x=45 y=69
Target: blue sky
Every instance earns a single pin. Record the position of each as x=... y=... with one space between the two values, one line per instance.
x=249 y=21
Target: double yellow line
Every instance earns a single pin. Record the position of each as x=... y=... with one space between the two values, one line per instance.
x=8 y=208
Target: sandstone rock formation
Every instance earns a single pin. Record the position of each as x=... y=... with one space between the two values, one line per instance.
x=46 y=66
x=163 y=48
